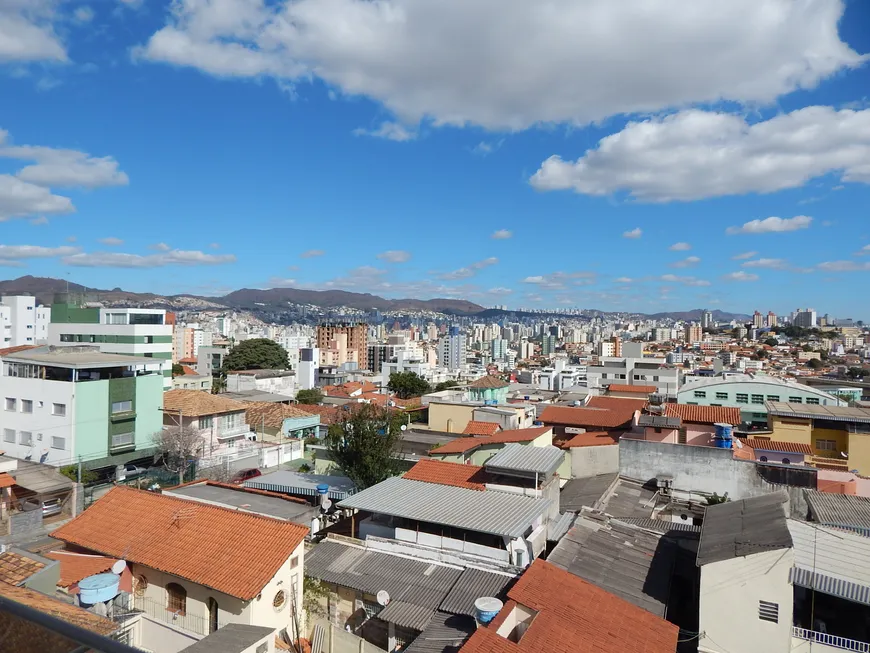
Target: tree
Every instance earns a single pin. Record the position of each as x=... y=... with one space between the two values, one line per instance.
x=256 y=354
x=408 y=384
x=445 y=385
x=714 y=499
x=72 y=473
x=179 y=446
x=312 y=396
x=815 y=364
x=761 y=353
x=218 y=384
x=771 y=342
x=177 y=370
x=363 y=444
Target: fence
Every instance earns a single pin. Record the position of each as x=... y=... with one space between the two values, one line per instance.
x=831 y=640
x=337 y=640
x=189 y=622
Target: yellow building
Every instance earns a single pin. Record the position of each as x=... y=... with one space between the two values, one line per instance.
x=454 y=416
x=838 y=435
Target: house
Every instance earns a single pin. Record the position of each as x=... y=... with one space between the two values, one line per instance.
x=275 y=419
x=785 y=453
x=68 y=403
x=477 y=450
x=454 y=416
x=220 y=422
x=489 y=389
x=697 y=423
x=195 y=566
x=550 y=609
x=590 y=453
x=481 y=428
x=190 y=379
x=598 y=414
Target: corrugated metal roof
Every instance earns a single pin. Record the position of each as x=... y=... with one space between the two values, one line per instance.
x=473 y=584
x=446 y=633
x=585 y=492
x=498 y=513
x=660 y=526
x=660 y=421
x=521 y=458
x=289 y=482
x=842 y=510
x=406 y=615
x=831 y=552
x=741 y=528
x=817 y=411
x=560 y=526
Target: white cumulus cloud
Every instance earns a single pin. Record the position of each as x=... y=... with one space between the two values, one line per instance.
x=19 y=198
x=740 y=275
x=768 y=263
x=27 y=32
x=634 y=233
x=514 y=63
x=697 y=154
x=689 y=261
x=395 y=256
x=680 y=247
x=312 y=253
x=502 y=234
x=843 y=266
x=771 y=225
x=744 y=256
x=124 y=260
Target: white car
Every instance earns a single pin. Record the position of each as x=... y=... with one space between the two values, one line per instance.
x=130 y=471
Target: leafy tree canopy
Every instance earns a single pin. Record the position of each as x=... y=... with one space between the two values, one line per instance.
x=312 y=396
x=256 y=354
x=815 y=363
x=177 y=369
x=408 y=384
x=771 y=342
x=364 y=442
x=445 y=385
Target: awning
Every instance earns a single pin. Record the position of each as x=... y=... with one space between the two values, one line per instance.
x=829 y=585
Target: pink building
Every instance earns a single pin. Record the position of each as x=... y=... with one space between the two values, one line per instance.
x=687 y=423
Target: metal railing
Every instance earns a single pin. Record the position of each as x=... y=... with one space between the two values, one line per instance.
x=157 y=610
x=831 y=640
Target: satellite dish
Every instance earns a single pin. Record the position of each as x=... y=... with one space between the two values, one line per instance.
x=119 y=567
x=404 y=427
x=383 y=598
x=326 y=504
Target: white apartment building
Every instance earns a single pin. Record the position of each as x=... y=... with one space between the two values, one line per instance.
x=451 y=350
x=634 y=369
x=23 y=322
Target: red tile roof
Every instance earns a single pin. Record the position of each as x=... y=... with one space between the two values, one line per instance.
x=489 y=381
x=204 y=544
x=242 y=488
x=196 y=403
x=608 y=418
x=574 y=616
x=6 y=480
x=187 y=361
x=481 y=428
x=617 y=403
x=460 y=445
x=772 y=445
x=638 y=389
x=16 y=568
x=328 y=414
x=14 y=350
x=76 y=566
x=704 y=414
x=56 y=608
x=588 y=439
x=188 y=371
x=471 y=477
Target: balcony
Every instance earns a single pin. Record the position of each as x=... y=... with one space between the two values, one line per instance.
x=827 y=642
x=233 y=432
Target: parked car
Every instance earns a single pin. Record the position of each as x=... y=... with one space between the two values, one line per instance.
x=245 y=475
x=49 y=507
x=132 y=471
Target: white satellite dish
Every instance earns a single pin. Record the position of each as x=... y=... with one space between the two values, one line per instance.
x=119 y=567
x=326 y=504
x=383 y=598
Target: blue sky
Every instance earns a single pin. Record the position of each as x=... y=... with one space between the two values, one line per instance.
x=638 y=156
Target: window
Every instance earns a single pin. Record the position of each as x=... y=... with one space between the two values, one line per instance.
x=826 y=445
x=57 y=442
x=123 y=440
x=67 y=337
x=655 y=379
x=604 y=376
x=149 y=340
x=721 y=395
x=122 y=407
x=812 y=400
x=757 y=399
x=176 y=599
x=279 y=600
x=9 y=435
x=11 y=403
x=700 y=394
x=206 y=422
x=742 y=399
x=763 y=459
x=58 y=409
x=768 y=611
x=26 y=406
x=773 y=397
x=294 y=562
x=795 y=400
x=786 y=461
x=25 y=438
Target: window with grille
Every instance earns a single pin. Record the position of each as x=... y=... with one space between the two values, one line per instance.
x=742 y=398
x=123 y=439
x=768 y=611
x=773 y=397
x=700 y=394
x=757 y=399
x=812 y=400
x=176 y=599
x=795 y=400
x=58 y=443
x=721 y=395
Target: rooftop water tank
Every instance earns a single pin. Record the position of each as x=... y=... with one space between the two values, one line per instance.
x=722 y=438
x=99 y=588
x=485 y=609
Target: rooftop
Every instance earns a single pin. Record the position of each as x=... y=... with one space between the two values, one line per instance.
x=585 y=492
x=659 y=421
x=197 y=403
x=461 y=445
x=446 y=633
x=762 y=444
x=470 y=477
x=840 y=510
x=532 y=460
x=488 y=381
x=498 y=513
x=740 y=528
x=231 y=638
x=704 y=414
x=303 y=483
x=833 y=561
x=56 y=608
x=817 y=411
x=589 y=439
x=257 y=395
x=185 y=539
x=272 y=414
x=480 y=428
x=262 y=502
x=595 y=417
x=17 y=566
x=639 y=389
x=76 y=566
x=75 y=357
x=574 y=616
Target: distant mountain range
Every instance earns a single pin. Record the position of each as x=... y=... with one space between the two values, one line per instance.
x=276 y=299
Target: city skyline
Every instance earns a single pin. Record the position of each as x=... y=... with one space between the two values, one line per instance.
x=176 y=152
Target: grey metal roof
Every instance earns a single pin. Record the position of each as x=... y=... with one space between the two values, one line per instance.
x=446 y=633
x=248 y=501
x=818 y=411
x=844 y=511
x=558 y=527
x=629 y=499
x=472 y=584
x=741 y=528
x=659 y=421
x=289 y=482
x=76 y=356
x=585 y=492
x=841 y=557
x=232 y=638
x=520 y=458
x=498 y=513
x=627 y=561
x=660 y=526
x=406 y=615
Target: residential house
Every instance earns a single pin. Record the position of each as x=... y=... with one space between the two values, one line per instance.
x=550 y=609
x=697 y=423
x=590 y=453
x=190 y=379
x=488 y=389
x=785 y=453
x=196 y=566
x=454 y=416
x=481 y=428
x=477 y=450
x=220 y=422
x=74 y=403
x=609 y=414
x=282 y=382
x=275 y=419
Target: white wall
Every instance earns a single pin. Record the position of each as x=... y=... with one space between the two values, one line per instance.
x=20 y=323
x=591 y=461
x=729 y=598
x=40 y=422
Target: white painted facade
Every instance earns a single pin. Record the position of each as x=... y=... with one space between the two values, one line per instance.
x=31 y=425
x=729 y=604
x=22 y=322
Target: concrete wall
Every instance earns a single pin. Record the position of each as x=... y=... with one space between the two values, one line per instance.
x=450 y=418
x=859 y=452
x=41 y=423
x=729 y=600
x=154 y=635
x=591 y=461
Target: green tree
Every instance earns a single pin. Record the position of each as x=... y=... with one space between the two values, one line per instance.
x=256 y=354
x=408 y=384
x=218 y=384
x=72 y=473
x=815 y=364
x=364 y=442
x=177 y=369
x=714 y=499
x=761 y=353
x=312 y=396
x=771 y=342
x=445 y=385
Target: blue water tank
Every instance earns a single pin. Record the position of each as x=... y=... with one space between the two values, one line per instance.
x=722 y=438
x=322 y=489
x=485 y=609
x=99 y=588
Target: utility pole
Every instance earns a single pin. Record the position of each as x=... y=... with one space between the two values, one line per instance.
x=80 y=470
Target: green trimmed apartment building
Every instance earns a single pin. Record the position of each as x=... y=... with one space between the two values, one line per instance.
x=128 y=331
x=66 y=404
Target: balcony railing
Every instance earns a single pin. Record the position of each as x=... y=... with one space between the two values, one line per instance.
x=190 y=622
x=233 y=431
x=831 y=640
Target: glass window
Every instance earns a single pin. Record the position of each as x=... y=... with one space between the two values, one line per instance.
x=26 y=406
x=757 y=399
x=123 y=439
x=25 y=438
x=742 y=398
x=294 y=562
x=57 y=442
x=773 y=397
x=812 y=400
x=9 y=435
x=122 y=407
x=795 y=400
x=826 y=445
x=206 y=422
x=58 y=409
x=700 y=394
x=721 y=395
x=11 y=403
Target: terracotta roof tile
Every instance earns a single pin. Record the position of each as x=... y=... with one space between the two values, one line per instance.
x=617 y=403
x=376 y=398
x=460 y=445
x=14 y=350
x=772 y=445
x=574 y=616
x=187 y=361
x=638 y=389
x=589 y=439
x=704 y=414
x=196 y=403
x=186 y=370
x=328 y=414
x=205 y=544
x=470 y=477
x=16 y=568
x=481 y=428
x=6 y=480
x=76 y=566
x=488 y=381
x=271 y=414
x=56 y=608
x=613 y=416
